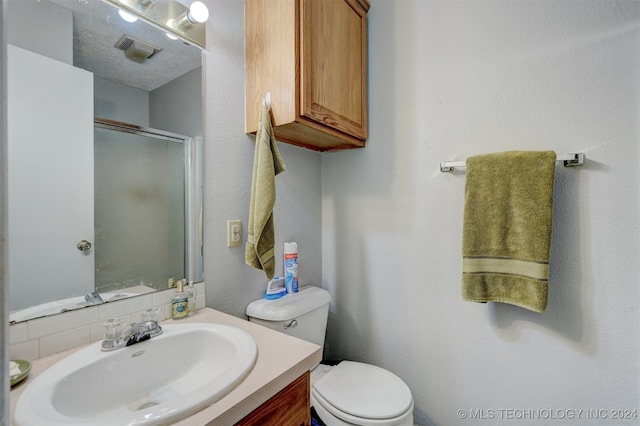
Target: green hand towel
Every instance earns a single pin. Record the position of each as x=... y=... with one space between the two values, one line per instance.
x=267 y=163
x=507 y=227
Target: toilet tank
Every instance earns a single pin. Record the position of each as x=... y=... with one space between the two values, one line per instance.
x=302 y=314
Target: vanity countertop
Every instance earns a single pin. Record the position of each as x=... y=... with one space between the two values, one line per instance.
x=281 y=360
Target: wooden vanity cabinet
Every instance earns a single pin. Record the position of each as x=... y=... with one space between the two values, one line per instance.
x=289 y=407
x=311 y=56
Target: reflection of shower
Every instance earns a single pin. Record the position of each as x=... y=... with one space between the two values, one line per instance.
x=142 y=206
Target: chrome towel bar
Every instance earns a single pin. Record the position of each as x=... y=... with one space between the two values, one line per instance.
x=569 y=160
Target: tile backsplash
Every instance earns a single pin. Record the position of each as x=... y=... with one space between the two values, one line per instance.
x=40 y=337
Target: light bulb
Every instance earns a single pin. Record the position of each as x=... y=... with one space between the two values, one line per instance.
x=198 y=12
x=127 y=16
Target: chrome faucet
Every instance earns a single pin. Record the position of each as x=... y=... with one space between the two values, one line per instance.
x=94 y=298
x=119 y=335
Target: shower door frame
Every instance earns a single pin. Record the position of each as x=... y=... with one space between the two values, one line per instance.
x=191 y=152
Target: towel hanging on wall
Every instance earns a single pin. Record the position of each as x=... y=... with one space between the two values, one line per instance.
x=507 y=228
x=267 y=163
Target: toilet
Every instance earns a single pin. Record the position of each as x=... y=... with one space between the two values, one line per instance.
x=349 y=393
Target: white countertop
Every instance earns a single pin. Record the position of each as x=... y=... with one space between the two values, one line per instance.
x=281 y=360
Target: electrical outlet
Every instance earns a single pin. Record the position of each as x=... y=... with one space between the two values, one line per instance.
x=234 y=233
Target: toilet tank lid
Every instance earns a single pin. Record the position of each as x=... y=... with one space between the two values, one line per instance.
x=293 y=305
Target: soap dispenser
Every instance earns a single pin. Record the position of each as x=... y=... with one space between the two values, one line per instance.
x=191 y=298
x=180 y=303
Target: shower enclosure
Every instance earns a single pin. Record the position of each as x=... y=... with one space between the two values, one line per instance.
x=146 y=207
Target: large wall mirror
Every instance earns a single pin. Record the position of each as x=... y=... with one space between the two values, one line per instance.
x=104 y=156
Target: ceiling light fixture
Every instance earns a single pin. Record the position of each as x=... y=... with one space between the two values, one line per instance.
x=147 y=3
x=173 y=16
x=196 y=14
x=127 y=16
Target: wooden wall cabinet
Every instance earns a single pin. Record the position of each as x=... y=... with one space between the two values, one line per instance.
x=289 y=407
x=311 y=56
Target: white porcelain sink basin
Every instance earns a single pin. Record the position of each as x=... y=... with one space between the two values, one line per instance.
x=157 y=381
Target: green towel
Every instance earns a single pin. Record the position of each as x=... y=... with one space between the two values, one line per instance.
x=508 y=218
x=267 y=163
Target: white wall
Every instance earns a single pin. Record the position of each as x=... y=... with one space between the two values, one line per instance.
x=451 y=79
x=116 y=101
x=176 y=106
x=51 y=19
x=231 y=285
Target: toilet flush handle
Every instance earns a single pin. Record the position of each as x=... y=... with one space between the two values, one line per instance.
x=292 y=324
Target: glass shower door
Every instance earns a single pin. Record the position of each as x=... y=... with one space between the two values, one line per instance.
x=140 y=218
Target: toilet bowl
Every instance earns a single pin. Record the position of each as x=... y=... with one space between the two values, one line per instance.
x=349 y=393
x=354 y=393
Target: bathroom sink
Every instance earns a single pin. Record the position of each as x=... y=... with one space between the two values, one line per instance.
x=158 y=381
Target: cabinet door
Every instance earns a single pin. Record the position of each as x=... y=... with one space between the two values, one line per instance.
x=289 y=407
x=334 y=66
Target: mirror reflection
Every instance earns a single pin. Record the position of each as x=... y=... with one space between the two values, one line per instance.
x=104 y=152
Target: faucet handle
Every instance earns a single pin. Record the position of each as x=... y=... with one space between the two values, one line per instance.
x=94 y=298
x=151 y=315
x=114 y=328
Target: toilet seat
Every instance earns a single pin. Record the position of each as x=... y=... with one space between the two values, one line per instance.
x=363 y=394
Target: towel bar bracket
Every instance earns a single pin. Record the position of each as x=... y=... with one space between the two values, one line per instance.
x=576 y=159
x=573 y=159
x=451 y=166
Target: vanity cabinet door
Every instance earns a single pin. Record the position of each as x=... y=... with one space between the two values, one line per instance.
x=311 y=56
x=289 y=407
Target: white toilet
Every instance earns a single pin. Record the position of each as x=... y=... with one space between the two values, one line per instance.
x=349 y=393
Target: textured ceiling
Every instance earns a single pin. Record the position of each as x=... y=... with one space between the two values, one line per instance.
x=97 y=27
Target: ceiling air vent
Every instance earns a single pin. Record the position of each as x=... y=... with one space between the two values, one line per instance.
x=136 y=50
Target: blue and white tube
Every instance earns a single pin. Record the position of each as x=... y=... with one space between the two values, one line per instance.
x=291 y=267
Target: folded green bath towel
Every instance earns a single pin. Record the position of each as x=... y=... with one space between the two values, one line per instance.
x=267 y=163
x=507 y=227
